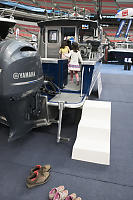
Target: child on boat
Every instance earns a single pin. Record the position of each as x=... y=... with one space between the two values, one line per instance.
x=75 y=59
x=64 y=49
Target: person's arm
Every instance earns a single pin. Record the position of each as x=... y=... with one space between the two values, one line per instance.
x=68 y=55
x=60 y=54
x=68 y=49
x=60 y=51
x=80 y=58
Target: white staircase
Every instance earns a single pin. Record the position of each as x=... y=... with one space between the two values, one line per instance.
x=93 y=136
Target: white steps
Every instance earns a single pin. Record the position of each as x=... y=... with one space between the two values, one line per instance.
x=93 y=136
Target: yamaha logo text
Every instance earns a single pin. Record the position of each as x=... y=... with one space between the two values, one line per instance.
x=24 y=75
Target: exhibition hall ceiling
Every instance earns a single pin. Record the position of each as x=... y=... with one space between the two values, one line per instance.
x=109 y=7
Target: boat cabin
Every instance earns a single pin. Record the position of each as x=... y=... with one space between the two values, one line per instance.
x=54 y=30
x=87 y=33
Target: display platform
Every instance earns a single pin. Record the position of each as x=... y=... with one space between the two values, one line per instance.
x=90 y=181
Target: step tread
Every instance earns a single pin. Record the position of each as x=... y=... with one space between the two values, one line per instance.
x=102 y=146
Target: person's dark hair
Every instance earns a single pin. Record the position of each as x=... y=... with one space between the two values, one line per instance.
x=63 y=44
x=68 y=42
x=75 y=46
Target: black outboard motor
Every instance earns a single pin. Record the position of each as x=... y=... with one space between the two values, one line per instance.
x=21 y=78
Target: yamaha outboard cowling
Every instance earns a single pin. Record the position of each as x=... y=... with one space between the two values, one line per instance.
x=21 y=77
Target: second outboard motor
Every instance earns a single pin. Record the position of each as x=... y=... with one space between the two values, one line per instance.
x=21 y=78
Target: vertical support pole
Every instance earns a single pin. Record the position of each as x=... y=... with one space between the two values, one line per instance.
x=41 y=42
x=46 y=107
x=46 y=42
x=129 y=24
x=120 y=28
x=61 y=107
x=82 y=81
x=99 y=11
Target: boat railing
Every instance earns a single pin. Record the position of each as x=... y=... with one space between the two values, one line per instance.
x=124 y=45
x=78 y=13
x=88 y=52
x=93 y=56
x=3 y=11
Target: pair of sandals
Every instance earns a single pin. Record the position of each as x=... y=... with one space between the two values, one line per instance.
x=59 y=193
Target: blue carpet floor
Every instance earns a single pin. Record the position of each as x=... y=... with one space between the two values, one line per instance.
x=88 y=180
x=115 y=69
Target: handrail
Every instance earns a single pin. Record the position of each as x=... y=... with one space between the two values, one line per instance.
x=8 y=9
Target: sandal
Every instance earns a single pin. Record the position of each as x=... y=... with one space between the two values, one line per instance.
x=61 y=195
x=78 y=198
x=55 y=190
x=41 y=169
x=71 y=197
x=37 y=179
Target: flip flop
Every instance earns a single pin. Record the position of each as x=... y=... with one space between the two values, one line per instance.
x=55 y=190
x=71 y=197
x=78 y=198
x=61 y=195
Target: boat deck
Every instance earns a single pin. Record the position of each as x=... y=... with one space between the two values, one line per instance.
x=74 y=98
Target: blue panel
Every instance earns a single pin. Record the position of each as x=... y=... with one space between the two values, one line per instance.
x=120 y=28
x=87 y=77
x=57 y=72
x=129 y=24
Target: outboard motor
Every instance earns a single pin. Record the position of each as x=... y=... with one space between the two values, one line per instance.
x=21 y=78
